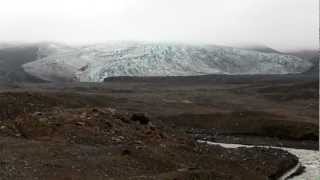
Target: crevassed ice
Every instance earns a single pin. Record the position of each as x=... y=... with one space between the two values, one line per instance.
x=94 y=63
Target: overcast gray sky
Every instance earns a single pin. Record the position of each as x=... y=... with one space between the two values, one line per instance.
x=281 y=24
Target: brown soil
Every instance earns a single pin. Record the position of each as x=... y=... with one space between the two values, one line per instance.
x=249 y=127
x=137 y=130
x=49 y=141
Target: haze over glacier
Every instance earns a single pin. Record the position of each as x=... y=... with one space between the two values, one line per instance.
x=94 y=63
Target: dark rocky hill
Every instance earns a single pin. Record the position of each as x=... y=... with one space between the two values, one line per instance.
x=314 y=70
x=11 y=61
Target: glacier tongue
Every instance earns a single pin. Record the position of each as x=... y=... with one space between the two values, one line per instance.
x=94 y=63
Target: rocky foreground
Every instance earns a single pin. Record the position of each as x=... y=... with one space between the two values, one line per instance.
x=144 y=127
x=48 y=140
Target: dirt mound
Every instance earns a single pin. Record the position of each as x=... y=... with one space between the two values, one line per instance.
x=61 y=135
x=13 y=104
x=99 y=143
x=88 y=126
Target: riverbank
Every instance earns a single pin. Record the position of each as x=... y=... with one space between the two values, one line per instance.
x=309 y=161
x=105 y=143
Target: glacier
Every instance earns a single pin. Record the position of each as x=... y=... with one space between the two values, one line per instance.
x=95 y=62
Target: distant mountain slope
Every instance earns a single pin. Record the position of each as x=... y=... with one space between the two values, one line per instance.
x=305 y=54
x=94 y=63
x=315 y=66
x=259 y=48
x=7 y=45
x=11 y=61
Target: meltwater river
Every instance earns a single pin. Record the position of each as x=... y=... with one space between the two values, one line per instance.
x=308 y=158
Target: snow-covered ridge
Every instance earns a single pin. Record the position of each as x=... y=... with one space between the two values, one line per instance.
x=94 y=63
